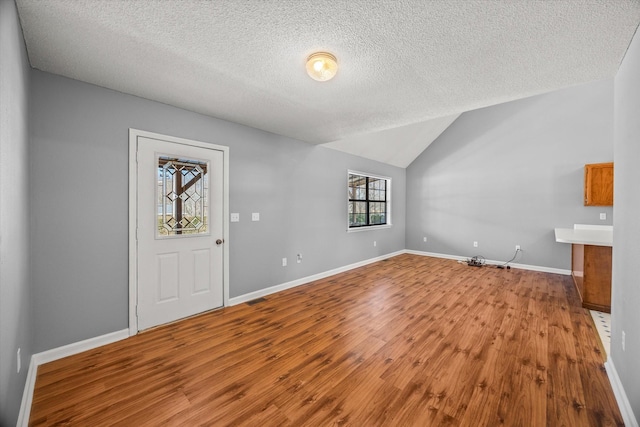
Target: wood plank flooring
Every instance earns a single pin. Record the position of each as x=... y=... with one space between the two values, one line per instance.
x=410 y=341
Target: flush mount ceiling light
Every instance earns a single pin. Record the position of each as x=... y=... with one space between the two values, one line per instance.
x=322 y=66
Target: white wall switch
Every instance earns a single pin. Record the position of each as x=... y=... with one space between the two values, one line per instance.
x=235 y=217
x=375 y=243
x=284 y=262
x=424 y=239
x=255 y=216
x=475 y=244
x=603 y=216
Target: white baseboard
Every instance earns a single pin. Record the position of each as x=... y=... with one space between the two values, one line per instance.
x=55 y=354
x=79 y=347
x=494 y=262
x=435 y=255
x=621 y=396
x=27 y=395
x=292 y=284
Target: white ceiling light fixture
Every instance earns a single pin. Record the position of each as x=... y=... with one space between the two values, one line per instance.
x=322 y=66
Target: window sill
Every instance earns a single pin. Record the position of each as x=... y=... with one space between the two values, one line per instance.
x=368 y=228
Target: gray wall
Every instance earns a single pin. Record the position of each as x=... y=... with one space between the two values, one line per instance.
x=15 y=316
x=509 y=174
x=626 y=250
x=79 y=160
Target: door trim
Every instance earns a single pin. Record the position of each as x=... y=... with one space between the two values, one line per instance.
x=133 y=216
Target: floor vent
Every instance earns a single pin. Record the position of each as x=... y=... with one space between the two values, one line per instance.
x=256 y=301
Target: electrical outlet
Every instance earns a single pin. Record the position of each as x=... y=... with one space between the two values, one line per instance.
x=623 y=340
x=603 y=216
x=517 y=247
x=424 y=239
x=235 y=217
x=475 y=244
x=255 y=216
x=375 y=243
x=299 y=258
x=20 y=361
x=284 y=262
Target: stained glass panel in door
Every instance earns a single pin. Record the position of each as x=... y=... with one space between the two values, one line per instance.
x=182 y=196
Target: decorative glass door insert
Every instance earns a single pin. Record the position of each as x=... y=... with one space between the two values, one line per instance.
x=182 y=195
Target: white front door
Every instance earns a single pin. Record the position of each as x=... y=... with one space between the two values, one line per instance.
x=180 y=195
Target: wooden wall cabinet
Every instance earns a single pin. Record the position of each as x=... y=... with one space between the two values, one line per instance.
x=591 y=270
x=598 y=184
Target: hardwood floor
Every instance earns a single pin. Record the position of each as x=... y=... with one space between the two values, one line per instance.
x=410 y=341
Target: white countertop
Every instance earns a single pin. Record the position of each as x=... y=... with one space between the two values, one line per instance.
x=581 y=234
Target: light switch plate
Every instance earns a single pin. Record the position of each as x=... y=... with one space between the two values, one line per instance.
x=255 y=216
x=235 y=217
x=603 y=216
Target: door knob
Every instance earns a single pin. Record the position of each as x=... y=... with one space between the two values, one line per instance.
x=219 y=242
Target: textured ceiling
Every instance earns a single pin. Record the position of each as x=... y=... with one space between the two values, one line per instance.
x=396 y=146
x=401 y=62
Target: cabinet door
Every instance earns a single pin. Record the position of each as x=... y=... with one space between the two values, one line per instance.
x=597 y=278
x=598 y=184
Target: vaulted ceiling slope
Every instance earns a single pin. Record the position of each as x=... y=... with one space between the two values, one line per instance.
x=401 y=62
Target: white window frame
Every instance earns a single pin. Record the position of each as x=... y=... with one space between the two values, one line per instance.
x=389 y=195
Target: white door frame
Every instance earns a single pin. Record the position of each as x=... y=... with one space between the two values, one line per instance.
x=133 y=216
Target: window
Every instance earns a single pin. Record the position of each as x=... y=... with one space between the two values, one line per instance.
x=369 y=198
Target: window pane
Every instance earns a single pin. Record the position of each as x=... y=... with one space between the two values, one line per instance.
x=183 y=185
x=377 y=213
x=357 y=213
x=357 y=187
x=377 y=189
x=375 y=184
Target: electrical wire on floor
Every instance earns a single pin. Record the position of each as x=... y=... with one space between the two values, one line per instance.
x=476 y=261
x=506 y=264
x=480 y=261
